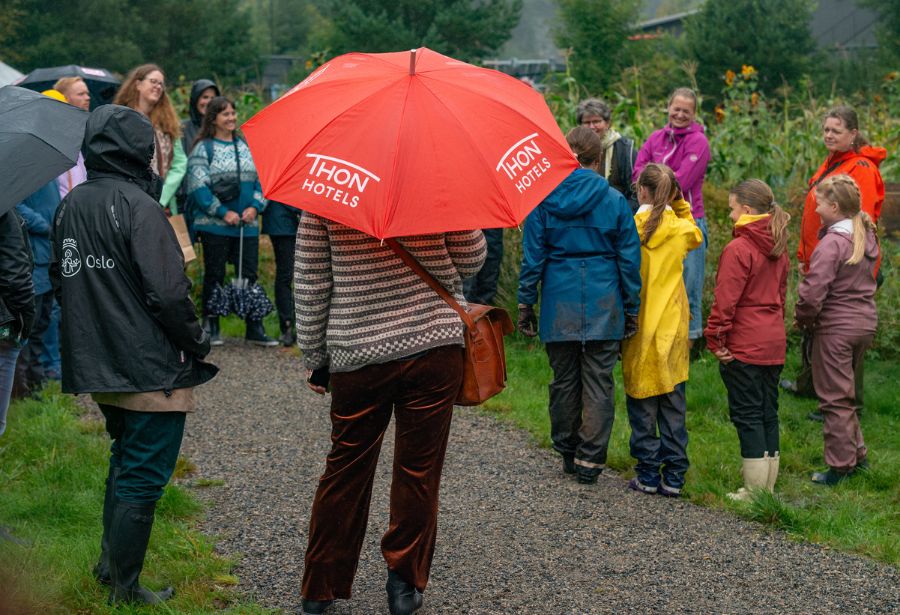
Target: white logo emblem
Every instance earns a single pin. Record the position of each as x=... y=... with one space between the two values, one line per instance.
x=71 y=260
x=521 y=165
x=341 y=181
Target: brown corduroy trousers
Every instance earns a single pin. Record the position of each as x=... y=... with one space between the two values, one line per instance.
x=835 y=359
x=420 y=393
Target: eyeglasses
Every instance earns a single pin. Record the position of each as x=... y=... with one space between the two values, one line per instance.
x=152 y=81
x=599 y=122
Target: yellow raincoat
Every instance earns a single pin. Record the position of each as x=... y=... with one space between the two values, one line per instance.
x=656 y=358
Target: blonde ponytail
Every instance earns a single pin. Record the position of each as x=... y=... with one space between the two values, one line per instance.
x=758 y=196
x=843 y=191
x=862 y=224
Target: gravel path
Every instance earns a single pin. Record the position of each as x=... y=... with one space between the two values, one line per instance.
x=516 y=535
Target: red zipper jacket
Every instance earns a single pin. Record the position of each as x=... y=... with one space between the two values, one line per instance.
x=747 y=315
x=862 y=166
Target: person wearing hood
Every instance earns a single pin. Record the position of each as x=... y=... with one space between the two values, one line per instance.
x=837 y=305
x=130 y=334
x=202 y=91
x=655 y=361
x=682 y=146
x=848 y=153
x=616 y=162
x=581 y=247
x=745 y=329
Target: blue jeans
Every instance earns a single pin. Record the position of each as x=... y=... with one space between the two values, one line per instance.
x=9 y=352
x=666 y=453
x=50 y=355
x=694 y=273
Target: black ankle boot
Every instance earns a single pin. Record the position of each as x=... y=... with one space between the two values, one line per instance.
x=256 y=334
x=403 y=598
x=128 y=539
x=101 y=570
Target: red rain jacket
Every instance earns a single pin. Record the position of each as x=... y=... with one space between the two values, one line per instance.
x=862 y=166
x=747 y=315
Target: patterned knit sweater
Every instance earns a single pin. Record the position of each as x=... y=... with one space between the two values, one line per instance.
x=358 y=304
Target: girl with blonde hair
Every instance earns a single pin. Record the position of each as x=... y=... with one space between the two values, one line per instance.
x=655 y=361
x=144 y=90
x=745 y=329
x=837 y=304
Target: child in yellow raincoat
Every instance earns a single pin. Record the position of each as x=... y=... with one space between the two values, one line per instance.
x=655 y=361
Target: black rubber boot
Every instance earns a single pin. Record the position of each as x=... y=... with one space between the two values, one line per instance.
x=101 y=570
x=403 y=598
x=256 y=334
x=128 y=540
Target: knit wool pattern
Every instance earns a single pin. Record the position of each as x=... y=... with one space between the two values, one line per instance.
x=357 y=303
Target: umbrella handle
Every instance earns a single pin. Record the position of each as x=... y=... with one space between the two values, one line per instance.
x=241 y=253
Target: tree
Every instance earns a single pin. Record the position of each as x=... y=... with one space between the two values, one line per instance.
x=465 y=29
x=889 y=27
x=773 y=36
x=184 y=36
x=596 y=32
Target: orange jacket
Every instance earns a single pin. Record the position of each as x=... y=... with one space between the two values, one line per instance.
x=862 y=166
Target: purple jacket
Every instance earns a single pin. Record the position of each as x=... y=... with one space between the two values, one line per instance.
x=685 y=151
x=835 y=297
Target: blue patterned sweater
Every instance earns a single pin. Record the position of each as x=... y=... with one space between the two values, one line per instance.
x=208 y=211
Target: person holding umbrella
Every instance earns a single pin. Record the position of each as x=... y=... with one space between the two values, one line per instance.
x=144 y=90
x=130 y=333
x=227 y=199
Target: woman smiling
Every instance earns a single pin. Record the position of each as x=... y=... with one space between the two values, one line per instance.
x=144 y=90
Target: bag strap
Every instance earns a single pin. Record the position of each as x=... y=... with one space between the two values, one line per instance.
x=827 y=172
x=237 y=159
x=434 y=284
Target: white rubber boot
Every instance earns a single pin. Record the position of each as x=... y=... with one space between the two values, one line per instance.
x=773 y=472
x=756 y=475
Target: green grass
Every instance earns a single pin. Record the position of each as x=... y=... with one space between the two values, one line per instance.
x=53 y=461
x=861 y=515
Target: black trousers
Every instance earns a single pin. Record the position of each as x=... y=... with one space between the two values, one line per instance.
x=482 y=287
x=218 y=251
x=582 y=399
x=145 y=449
x=753 y=405
x=283 y=246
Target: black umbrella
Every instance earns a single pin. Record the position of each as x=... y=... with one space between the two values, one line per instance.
x=101 y=83
x=243 y=298
x=39 y=139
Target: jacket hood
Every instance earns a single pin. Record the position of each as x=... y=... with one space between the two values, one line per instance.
x=662 y=233
x=692 y=128
x=196 y=90
x=875 y=154
x=578 y=194
x=757 y=232
x=119 y=142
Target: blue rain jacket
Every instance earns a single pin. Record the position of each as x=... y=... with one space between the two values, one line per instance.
x=582 y=246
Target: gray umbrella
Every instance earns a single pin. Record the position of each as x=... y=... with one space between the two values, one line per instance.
x=39 y=139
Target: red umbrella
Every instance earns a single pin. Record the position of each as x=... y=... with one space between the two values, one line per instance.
x=409 y=143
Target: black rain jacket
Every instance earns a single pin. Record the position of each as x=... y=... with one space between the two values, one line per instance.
x=128 y=323
x=16 y=264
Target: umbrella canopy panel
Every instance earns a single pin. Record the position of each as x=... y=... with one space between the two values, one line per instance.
x=451 y=147
x=101 y=83
x=39 y=139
